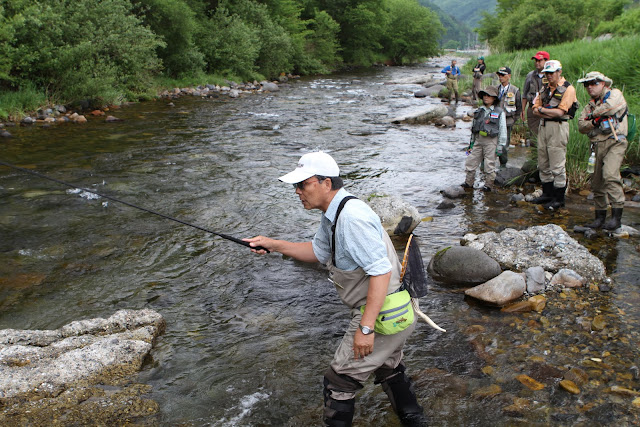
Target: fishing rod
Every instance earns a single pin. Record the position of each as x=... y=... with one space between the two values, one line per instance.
x=224 y=236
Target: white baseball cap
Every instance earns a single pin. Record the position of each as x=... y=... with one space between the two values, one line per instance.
x=317 y=163
x=552 y=66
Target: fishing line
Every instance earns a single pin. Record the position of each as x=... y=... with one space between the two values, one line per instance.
x=224 y=236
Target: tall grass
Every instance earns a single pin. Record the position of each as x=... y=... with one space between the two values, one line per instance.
x=14 y=103
x=617 y=58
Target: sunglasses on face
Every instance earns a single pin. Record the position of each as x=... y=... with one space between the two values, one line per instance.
x=300 y=185
x=591 y=83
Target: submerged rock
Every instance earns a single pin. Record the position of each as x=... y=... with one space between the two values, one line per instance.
x=422 y=115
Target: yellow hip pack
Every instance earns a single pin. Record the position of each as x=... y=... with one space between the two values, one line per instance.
x=396 y=314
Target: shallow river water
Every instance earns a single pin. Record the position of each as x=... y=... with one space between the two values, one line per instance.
x=248 y=337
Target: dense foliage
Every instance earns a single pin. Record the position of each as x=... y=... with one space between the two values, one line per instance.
x=111 y=49
x=456 y=34
x=523 y=24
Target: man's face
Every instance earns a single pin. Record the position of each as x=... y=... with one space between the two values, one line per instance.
x=453 y=64
x=312 y=192
x=504 y=78
x=594 y=88
x=553 y=77
x=540 y=64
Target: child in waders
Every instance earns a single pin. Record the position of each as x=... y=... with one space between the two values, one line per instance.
x=488 y=139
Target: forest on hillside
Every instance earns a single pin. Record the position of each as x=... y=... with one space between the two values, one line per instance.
x=113 y=49
x=524 y=24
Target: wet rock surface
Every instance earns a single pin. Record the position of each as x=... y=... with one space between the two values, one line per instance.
x=463 y=266
x=547 y=246
x=78 y=373
x=397 y=216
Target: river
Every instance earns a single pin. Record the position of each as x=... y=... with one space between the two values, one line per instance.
x=248 y=337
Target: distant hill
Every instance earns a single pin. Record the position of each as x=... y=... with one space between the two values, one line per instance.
x=468 y=12
x=457 y=35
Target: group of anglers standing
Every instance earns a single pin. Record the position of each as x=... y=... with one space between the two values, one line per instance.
x=550 y=102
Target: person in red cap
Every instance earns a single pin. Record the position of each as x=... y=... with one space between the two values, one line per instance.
x=532 y=86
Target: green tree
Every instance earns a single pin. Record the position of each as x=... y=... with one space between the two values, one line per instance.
x=412 y=31
x=179 y=55
x=230 y=45
x=322 y=48
x=70 y=49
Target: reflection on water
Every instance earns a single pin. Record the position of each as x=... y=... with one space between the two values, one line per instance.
x=249 y=336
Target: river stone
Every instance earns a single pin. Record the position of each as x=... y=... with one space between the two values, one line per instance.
x=547 y=246
x=421 y=93
x=569 y=386
x=625 y=231
x=453 y=192
x=462 y=266
x=510 y=176
x=535 y=279
x=568 y=278
x=421 y=115
x=501 y=290
x=268 y=86
x=43 y=363
x=446 y=121
x=397 y=216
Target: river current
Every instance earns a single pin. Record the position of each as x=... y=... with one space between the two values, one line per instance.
x=248 y=337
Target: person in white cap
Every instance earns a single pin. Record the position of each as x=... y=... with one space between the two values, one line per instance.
x=364 y=267
x=604 y=120
x=556 y=105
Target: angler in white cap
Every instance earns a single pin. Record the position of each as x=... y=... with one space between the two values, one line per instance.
x=604 y=120
x=555 y=105
x=364 y=267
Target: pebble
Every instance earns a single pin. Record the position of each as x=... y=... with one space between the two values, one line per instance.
x=569 y=386
x=529 y=382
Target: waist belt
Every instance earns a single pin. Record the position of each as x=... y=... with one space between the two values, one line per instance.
x=553 y=120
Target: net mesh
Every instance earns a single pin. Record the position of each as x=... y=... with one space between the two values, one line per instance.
x=414 y=278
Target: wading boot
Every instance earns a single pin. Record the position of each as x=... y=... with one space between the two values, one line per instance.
x=547 y=194
x=558 y=199
x=615 y=221
x=399 y=388
x=601 y=214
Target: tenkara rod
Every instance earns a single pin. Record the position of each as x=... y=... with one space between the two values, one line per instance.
x=224 y=236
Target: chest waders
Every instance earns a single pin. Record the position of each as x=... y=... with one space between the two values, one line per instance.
x=339 y=389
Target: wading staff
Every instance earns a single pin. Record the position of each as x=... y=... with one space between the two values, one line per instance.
x=224 y=236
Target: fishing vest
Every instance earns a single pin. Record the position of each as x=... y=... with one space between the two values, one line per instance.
x=487 y=121
x=353 y=285
x=535 y=85
x=619 y=120
x=552 y=100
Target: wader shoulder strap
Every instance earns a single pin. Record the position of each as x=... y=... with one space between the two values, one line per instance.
x=333 y=227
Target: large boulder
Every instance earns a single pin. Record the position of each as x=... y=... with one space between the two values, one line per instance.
x=547 y=246
x=464 y=266
x=421 y=115
x=397 y=216
x=501 y=290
